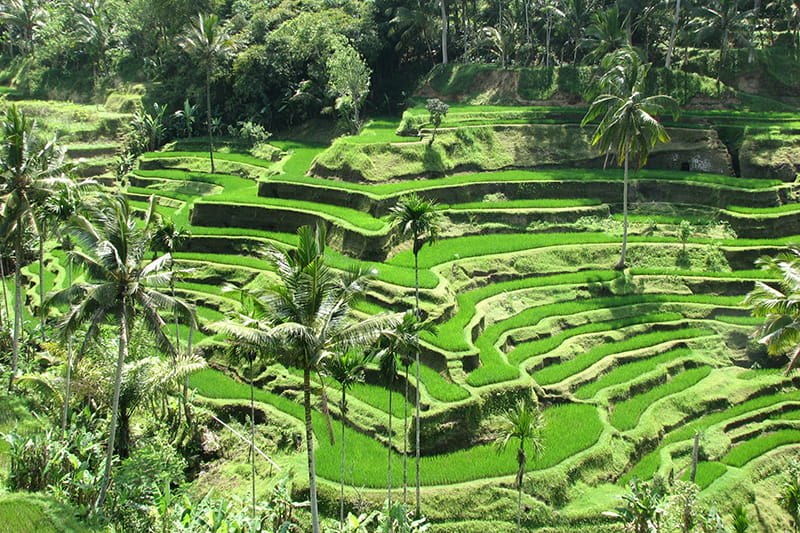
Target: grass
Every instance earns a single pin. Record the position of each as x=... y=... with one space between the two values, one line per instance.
x=648 y=465
x=451 y=336
x=474 y=463
x=26 y=513
x=745 y=452
x=707 y=473
x=537 y=347
x=561 y=371
x=628 y=372
x=539 y=203
x=439 y=388
x=785 y=208
x=234 y=157
x=398 y=188
x=626 y=413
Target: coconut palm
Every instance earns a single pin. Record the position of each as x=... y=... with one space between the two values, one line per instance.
x=250 y=332
x=725 y=18
x=522 y=423
x=30 y=170
x=206 y=40
x=628 y=127
x=122 y=286
x=23 y=18
x=311 y=309
x=421 y=219
x=347 y=369
x=779 y=306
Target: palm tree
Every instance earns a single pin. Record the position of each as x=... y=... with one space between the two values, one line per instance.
x=522 y=423
x=725 y=18
x=347 y=369
x=24 y=17
x=628 y=126
x=207 y=41
x=30 y=170
x=123 y=287
x=387 y=367
x=311 y=308
x=421 y=219
x=250 y=329
x=672 y=34
x=606 y=34
x=779 y=307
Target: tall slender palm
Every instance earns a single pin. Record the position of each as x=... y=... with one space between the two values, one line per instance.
x=387 y=367
x=60 y=209
x=779 y=306
x=206 y=40
x=24 y=17
x=673 y=33
x=250 y=329
x=628 y=126
x=122 y=286
x=726 y=18
x=606 y=34
x=311 y=307
x=522 y=423
x=421 y=219
x=347 y=369
x=403 y=341
x=30 y=170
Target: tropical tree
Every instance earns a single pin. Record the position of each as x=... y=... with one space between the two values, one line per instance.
x=30 y=171
x=724 y=17
x=522 y=423
x=605 y=35
x=673 y=33
x=206 y=40
x=311 y=310
x=120 y=285
x=628 y=127
x=779 y=306
x=94 y=27
x=437 y=110
x=24 y=17
x=642 y=508
x=347 y=369
x=250 y=331
x=419 y=218
x=348 y=81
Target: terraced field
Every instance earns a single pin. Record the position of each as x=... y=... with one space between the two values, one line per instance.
x=628 y=366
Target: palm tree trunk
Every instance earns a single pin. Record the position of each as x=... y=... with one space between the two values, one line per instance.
x=341 y=480
x=417 y=399
x=389 y=462
x=68 y=380
x=252 y=442
x=418 y=512
x=208 y=116
x=405 y=441
x=112 y=427
x=673 y=33
x=312 y=472
x=621 y=263
x=7 y=314
x=549 y=30
x=444 y=31
x=519 y=503
x=41 y=281
x=17 y=307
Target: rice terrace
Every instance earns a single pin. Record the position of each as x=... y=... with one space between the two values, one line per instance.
x=545 y=286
